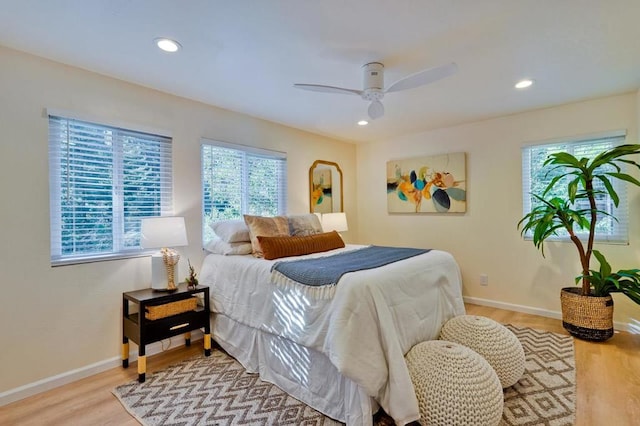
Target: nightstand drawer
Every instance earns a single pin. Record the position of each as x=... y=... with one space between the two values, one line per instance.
x=172 y=326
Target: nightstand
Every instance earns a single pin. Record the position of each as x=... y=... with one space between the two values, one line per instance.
x=142 y=330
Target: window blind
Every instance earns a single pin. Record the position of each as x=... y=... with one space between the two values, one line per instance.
x=103 y=180
x=535 y=179
x=239 y=180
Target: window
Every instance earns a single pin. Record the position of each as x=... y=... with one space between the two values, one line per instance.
x=535 y=179
x=103 y=180
x=239 y=180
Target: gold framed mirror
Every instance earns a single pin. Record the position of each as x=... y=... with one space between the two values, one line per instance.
x=325 y=187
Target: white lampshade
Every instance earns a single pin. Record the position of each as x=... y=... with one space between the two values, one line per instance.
x=165 y=231
x=334 y=222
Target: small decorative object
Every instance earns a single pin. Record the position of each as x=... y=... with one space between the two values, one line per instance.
x=170 y=257
x=191 y=280
x=434 y=184
x=582 y=315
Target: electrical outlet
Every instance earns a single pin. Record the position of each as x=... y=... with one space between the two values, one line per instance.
x=484 y=279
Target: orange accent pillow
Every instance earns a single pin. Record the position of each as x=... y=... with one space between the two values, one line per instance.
x=277 y=226
x=277 y=247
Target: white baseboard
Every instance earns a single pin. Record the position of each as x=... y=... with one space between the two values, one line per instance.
x=617 y=325
x=25 y=391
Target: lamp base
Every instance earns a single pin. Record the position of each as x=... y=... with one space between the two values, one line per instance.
x=159 y=276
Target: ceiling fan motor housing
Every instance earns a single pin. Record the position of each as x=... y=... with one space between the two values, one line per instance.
x=373 y=81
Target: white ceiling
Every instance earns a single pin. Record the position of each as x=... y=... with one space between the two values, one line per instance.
x=245 y=55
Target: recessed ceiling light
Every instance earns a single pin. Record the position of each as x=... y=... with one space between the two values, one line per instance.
x=363 y=123
x=523 y=84
x=167 y=44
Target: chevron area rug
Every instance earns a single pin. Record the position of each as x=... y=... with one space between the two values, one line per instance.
x=217 y=390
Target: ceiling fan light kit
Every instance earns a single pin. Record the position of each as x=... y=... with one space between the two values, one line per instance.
x=373 y=84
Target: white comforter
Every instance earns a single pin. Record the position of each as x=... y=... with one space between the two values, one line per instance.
x=375 y=317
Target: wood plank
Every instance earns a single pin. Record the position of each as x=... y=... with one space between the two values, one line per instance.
x=88 y=401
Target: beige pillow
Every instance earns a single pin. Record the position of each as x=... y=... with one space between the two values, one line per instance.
x=304 y=224
x=277 y=247
x=277 y=226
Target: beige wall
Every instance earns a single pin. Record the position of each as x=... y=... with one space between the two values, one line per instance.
x=53 y=320
x=485 y=238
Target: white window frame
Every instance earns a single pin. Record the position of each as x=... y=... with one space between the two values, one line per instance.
x=118 y=251
x=620 y=231
x=243 y=176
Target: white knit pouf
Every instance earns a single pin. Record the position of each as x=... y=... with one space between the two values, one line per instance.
x=499 y=346
x=454 y=385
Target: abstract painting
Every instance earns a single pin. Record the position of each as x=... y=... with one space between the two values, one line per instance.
x=322 y=194
x=433 y=184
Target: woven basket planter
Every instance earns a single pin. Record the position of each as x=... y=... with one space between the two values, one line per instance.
x=587 y=317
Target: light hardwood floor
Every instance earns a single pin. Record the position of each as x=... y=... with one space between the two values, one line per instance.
x=607 y=376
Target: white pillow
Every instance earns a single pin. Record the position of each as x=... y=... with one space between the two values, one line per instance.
x=217 y=246
x=231 y=231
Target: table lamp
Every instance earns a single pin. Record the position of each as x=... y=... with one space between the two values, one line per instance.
x=334 y=222
x=163 y=232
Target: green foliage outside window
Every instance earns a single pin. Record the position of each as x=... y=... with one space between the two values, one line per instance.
x=239 y=181
x=104 y=180
x=540 y=176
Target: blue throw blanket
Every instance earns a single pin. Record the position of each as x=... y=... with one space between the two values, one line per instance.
x=326 y=271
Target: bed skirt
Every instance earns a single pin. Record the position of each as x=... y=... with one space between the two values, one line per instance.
x=304 y=373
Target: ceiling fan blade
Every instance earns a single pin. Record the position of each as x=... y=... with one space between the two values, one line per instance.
x=423 y=77
x=328 y=89
x=376 y=110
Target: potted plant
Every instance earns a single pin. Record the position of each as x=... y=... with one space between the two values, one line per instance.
x=587 y=311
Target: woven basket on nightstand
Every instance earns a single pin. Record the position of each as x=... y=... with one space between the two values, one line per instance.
x=169 y=309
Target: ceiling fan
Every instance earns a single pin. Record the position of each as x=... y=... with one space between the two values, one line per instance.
x=373 y=84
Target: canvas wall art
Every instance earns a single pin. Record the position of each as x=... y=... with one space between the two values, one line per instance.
x=322 y=195
x=433 y=184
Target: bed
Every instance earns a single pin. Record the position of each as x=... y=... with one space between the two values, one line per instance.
x=342 y=352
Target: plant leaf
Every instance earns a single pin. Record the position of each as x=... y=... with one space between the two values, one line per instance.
x=572 y=189
x=605 y=268
x=612 y=193
x=625 y=177
x=563 y=158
